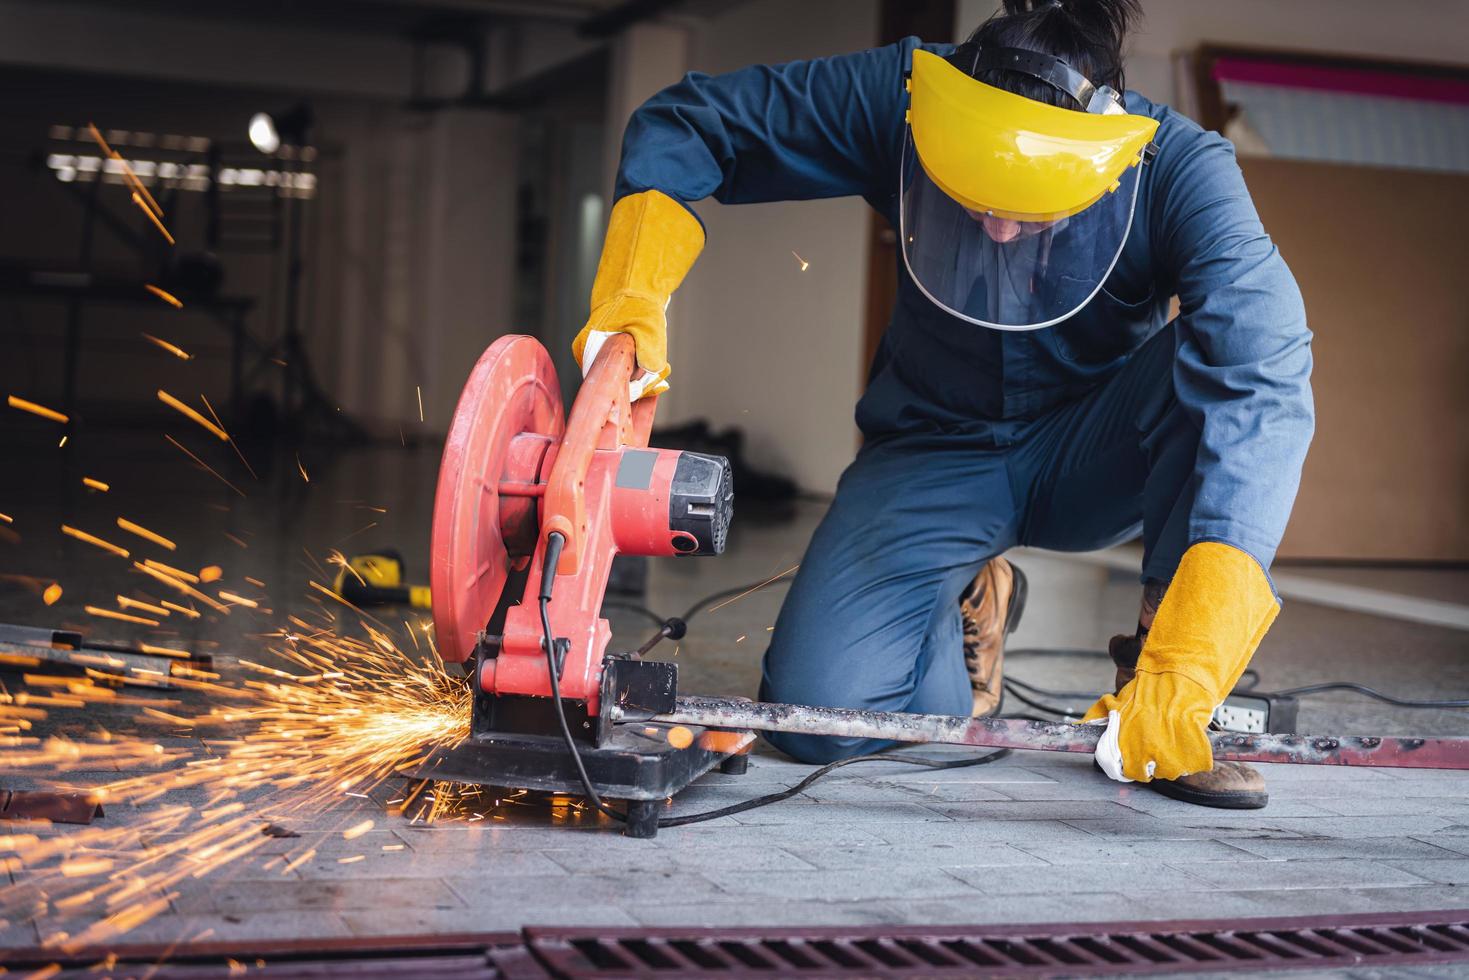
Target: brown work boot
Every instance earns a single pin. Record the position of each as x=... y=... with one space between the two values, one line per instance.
x=990 y=610
x=1227 y=786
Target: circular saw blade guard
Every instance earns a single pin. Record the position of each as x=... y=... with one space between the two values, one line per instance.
x=508 y=421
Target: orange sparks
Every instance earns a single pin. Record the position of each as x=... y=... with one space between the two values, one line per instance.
x=238 y=541
x=210 y=573
x=144 y=533
x=97 y=135
x=52 y=593
x=773 y=578
x=302 y=468
x=804 y=264
x=122 y=617
x=233 y=445
x=724 y=742
x=185 y=610
x=194 y=416
x=419 y=389
x=166 y=651
x=680 y=737
x=85 y=866
x=173 y=349
x=95 y=484
x=94 y=540
x=366 y=527
x=299 y=860
x=7 y=519
x=61 y=443
x=183 y=587
x=130 y=178
x=178 y=573
x=164 y=295
x=255 y=582
x=211 y=470
x=126 y=602
x=238 y=600
x=347 y=716
x=143 y=206
x=354 y=832
x=34 y=409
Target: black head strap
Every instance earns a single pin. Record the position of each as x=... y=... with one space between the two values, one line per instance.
x=1055 y=72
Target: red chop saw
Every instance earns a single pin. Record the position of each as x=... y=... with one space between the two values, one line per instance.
x=529 y=513
x=520 y=488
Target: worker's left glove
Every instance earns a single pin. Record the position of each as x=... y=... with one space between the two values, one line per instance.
x=1211 y=619
x=652 y=242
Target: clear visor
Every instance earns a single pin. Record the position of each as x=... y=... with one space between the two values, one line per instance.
x=1002 y=273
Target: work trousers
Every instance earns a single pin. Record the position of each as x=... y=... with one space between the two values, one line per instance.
x=872 y=618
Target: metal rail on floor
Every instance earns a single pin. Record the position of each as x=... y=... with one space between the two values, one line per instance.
x=1395 y=940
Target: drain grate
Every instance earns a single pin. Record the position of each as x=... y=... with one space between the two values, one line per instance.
x=1214 y=946
x=1032 y=950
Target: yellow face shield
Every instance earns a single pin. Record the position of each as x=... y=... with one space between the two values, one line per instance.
x=1013 y=211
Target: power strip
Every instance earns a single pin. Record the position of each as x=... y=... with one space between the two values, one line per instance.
x=1256 y=714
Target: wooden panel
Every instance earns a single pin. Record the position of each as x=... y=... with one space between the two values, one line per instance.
x=1382 y=261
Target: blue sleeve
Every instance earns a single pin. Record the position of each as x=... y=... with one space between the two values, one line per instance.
x=808 y=129
x=1243 y=369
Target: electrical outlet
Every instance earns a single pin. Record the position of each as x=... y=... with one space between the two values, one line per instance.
x=1249 y=719
x=1256 y=714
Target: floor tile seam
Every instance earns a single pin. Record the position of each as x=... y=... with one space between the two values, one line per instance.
x=1419 y=883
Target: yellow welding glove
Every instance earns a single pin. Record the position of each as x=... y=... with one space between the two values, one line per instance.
x=1211 y=619
x=652 y=242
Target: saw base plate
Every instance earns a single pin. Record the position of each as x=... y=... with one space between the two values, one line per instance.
x=635 y=763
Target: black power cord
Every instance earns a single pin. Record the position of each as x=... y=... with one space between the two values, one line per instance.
x=1250 y=682
x=786 y=794
x=555 y=542
x=1309 y=689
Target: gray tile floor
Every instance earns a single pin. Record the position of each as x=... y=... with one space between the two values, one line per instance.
x=1033 y=837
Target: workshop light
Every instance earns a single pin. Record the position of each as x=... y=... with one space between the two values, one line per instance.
x=269 y=131
x=263 y=133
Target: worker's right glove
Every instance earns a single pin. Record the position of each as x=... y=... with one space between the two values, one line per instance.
x=1213 y=616
x=652 y=241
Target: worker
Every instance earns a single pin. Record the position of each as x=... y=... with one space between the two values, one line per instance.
x=1028 y=390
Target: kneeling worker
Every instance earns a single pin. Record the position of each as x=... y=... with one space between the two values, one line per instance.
x=1027 y=390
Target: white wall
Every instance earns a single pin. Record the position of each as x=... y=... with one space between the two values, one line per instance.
x=754 y=341
x=422 y=253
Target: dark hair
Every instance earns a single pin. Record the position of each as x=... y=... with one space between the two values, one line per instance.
x=1086 y=34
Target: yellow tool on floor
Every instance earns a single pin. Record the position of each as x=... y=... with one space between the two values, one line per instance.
x=377 y=580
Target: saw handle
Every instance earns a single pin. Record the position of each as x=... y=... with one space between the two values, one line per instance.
x=601 y=418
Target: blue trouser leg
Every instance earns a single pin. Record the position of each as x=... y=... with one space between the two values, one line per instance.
x=1119 y=459
x=872 y=619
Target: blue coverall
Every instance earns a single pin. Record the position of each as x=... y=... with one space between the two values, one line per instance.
x=1069 y=438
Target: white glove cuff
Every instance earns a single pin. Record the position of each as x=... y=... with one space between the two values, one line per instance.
x=1109 y=753
x=647 y=383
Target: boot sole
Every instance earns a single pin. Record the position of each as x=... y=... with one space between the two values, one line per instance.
x=1218 y=801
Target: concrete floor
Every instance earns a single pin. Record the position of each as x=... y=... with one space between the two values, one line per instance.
x=1035 y=837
